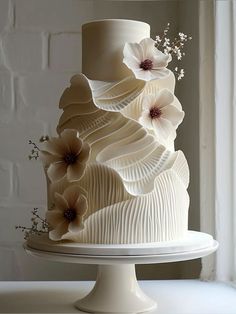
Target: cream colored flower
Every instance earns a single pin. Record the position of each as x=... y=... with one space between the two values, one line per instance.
x=68 y=212
x=160 y=115
x=145 y=60
x=65 y=156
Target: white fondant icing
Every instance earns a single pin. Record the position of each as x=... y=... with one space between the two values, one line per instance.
x=136 y=187
x=157 y=216
x=102 y=47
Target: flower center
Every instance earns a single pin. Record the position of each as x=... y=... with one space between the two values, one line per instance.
x=155 y=113
x=70 y=158
x=70 y=214
x=146 y=65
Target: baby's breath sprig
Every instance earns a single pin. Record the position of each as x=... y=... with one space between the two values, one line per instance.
x=179 y=73
x=39 y=225
x=34 y=152
x=160 y=39
x=173 y=48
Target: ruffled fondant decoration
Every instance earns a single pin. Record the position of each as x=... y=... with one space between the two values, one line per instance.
x=116 y=141
x=117 y=95
x=158 y=216
x=139 y=177
x=75 y=95
x=126 y=96
x=139 y=162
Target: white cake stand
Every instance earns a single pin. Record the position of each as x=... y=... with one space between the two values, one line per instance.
x=116 y=289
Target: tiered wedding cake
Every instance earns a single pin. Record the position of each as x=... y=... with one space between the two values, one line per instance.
x=113 y=174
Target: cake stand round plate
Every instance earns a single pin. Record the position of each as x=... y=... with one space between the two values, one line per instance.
x=116 y=289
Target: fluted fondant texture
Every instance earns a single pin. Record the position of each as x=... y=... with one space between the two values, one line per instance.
x=157 y=216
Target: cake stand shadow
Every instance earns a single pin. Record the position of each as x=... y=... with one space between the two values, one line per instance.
x=116 y=289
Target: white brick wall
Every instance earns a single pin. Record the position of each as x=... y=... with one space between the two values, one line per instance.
x=53 y=15
x=68 y=59
x=40 y=49
x=22 y=51
x=6 y=96
x=5 y=13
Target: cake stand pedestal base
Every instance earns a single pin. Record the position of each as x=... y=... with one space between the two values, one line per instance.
x=118 y=285
x=116 y=289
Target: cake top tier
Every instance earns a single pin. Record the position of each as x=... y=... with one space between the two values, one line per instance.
x=102 y=47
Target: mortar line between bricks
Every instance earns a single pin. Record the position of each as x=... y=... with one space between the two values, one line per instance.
x=13 y=92
x=45 y=50
x=15 y=181
x=12 y=14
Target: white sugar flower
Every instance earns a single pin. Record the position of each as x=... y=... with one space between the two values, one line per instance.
x=65 y=156
x=68 y=212
x=160 y=114
x=145 y=60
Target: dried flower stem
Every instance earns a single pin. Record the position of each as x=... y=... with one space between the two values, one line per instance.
x=39 y=225
x=34 y=152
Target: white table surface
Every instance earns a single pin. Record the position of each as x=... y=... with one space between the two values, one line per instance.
x=173 y=296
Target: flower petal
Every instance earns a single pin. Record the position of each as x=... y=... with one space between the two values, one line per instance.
x=71 y=194
x=54 y=217
x=56 y=171
x=69 y=133
x=55 y=146
x=48 y=158
x=75 y=171
x=160 y=60
x=173 y=114
x=148 y=48
x=81 y=205
x=84 y=153
x=144 y=75
x=71 y=140
x=172 y=135
x=146 y=120
x=57 y=233
x=164 y=98
x=60 y=202
x=148 y=101
x=131 y=62
x=76 y=225
x=162 y=127
x=59 y=187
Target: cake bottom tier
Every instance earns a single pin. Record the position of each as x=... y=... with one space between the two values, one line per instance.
x=161 y=215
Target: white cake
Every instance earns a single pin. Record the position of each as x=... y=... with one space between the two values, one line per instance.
x=119 y=179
